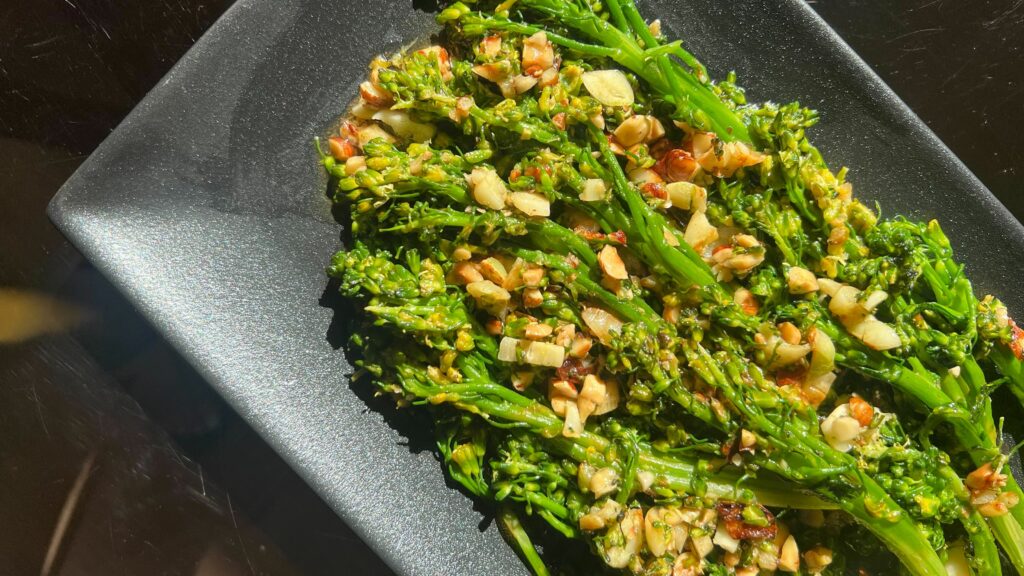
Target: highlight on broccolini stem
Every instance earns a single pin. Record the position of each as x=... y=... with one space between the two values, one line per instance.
x=647 y=314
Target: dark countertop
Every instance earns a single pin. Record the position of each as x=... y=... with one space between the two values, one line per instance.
x=116 y=458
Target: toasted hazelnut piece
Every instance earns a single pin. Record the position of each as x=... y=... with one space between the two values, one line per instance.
x=633 y=130
x=533 y=276
x=657 y=532
x=466 y=273
x=801 y=281
x=789 y=556
x=514 y=278
x=657 y=129
x=746 y=300
x=532 y=297
x=687 y=196
x=562 y=388
x=644 y=176
x=997 y=506
x=522 y=379
x=601 y=396
x=861 y=410
x=611 y=398
x=985 y=477
x=371 y=132
x=493 y=270
x=516 y=85
x=519 y=84
x=817 y=559
x=491 y=45
x=495 y=327
x=702 y=545
x=538 y=331
x=491 y=72
x=564 y=335
x=678 y=165
x=463 y=107
x=747 y=439
x=375 y=95
x=591 y=522
x=355 y=164
x=461 y=254
x=745 y=240
x=581 y=345
x=550 y=76
x=594 y=389
x=699 y=232
x=342 y=149
x=631 y=527
x=558 y=405
x=611 y=263
x=724 y=540
x=538 y=54
x=790 y=333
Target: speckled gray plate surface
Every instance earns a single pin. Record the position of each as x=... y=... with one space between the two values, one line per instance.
x=206 y=208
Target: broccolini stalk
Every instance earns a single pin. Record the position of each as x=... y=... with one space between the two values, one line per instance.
x=695 y=103
x=869 y=504
x=795 y=445
x=1012 y=368
x=545 y=234
x=502 y=406
x=649 y=224
x=986 y=554
x=954 y=299
x=509 y=522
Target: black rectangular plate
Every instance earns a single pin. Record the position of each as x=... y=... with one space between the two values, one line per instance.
x=206 y=208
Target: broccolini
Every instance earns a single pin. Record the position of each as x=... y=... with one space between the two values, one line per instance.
x=647 y=313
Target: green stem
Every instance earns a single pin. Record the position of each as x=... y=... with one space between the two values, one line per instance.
x=697 y=101
x=496 y=402
x=516 y=534
x=986 y=554
x=877 y=512
x=650 y=225
x=633 y=310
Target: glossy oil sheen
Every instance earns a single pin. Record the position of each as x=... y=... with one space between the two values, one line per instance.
x=206 y=208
